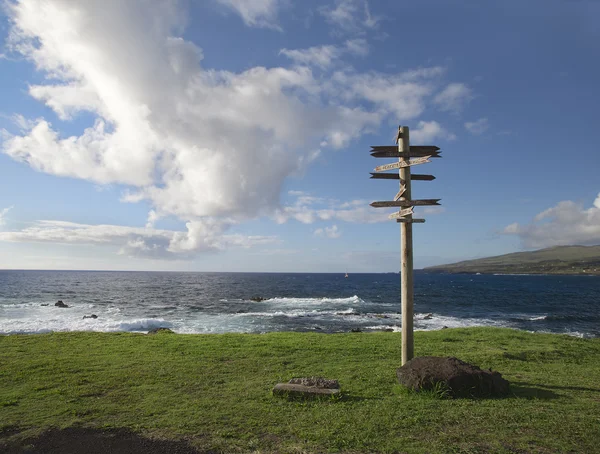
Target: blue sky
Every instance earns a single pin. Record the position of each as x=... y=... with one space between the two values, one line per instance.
x=233 y=135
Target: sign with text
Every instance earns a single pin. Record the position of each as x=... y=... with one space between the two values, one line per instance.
x=401 y=213
x=402 y=164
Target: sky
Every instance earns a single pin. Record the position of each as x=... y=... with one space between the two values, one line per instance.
x=234 y=135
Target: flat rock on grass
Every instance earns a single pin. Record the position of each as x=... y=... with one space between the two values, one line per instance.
x=307 y=388
x=452 y=376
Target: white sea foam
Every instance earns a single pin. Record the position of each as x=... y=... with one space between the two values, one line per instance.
x=312 y=301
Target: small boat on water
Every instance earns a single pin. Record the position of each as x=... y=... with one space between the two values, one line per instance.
x=346 y=274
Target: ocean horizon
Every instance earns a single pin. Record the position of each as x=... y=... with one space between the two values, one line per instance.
x=247 y=302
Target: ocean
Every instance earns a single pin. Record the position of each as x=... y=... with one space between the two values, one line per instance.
x=329 y=303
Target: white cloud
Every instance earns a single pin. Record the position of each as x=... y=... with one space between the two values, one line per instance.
x=325 y=56
x=434 y=210
x=403 y=95
x=256 y=13
x=350 y=16
x=567 y=223
x=428 y=131
x=3 y=214
x=321 y=56
x=357 y=46
x=200 y=237
x=478 y=126
x=328 y=232
x=153 y=216
x=453 y=97
x=195 y=143
x=309 y=210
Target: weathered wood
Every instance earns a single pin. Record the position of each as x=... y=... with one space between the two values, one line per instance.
x=403 y=163
x=411 y=220
x=405 y=203
x=429 y=149
x=395 y=176
x=401 y=213
x=410 y=154
x=421 y=177
x=406 y=255
x=293 y=390
x=400 y=192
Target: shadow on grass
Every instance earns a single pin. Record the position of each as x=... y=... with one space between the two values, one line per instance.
x=565 y=388
x=75 y=440
x=531 y=391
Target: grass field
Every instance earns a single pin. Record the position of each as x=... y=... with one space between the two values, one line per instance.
x=214 y=391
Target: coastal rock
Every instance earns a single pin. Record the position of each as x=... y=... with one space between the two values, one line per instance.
x=456 y=377
x=428 y=316
x=161 y=331
x=59 y=303
x=90 y=316
x=258 y=299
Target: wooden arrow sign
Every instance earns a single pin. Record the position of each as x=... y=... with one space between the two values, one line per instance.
x=405 y=203
x=410 y=220
x=400 y=192
x=423 y=149
x=395 y=176
x=401 y=213
x=401 y=164
x=404 y=154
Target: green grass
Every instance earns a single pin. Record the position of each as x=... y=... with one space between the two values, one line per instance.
x=215 y=391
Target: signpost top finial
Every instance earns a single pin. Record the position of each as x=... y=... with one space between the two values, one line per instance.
x=399 y=135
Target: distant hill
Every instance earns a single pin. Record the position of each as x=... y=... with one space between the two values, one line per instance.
x=554 y=260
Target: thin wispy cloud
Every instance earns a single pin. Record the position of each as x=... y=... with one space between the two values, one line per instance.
x=477 y=127
x=256 y=13
x=327 y=55
x=454 y=97
x=138 y=241
x=328 y=232
x=3 y=213
x=350 y=16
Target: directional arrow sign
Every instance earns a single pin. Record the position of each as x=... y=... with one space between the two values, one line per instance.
x=410 y=220
x=401 y=164
x=405 y=203
x=401 y=213
x=400 y=192
x=395 y=176
x=424 y=149
x=404 y=154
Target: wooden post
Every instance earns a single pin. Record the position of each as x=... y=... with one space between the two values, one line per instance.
x=406 y=254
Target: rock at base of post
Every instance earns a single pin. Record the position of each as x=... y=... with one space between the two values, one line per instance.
x=452 y=377
x=302 y=391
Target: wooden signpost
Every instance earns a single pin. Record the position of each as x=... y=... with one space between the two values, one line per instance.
x=404 y=152
x=395 y=176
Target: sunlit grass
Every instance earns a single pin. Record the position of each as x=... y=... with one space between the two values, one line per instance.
x=215 y=390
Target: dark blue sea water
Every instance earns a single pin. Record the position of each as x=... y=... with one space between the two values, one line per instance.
x=221 y=302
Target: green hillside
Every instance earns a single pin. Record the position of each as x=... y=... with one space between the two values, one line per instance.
x=554 y=260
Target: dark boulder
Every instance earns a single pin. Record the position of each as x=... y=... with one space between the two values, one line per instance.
x=161 y=331
x=452 y=376
x=258 y=299
x=90 y=316
x=59 y=303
